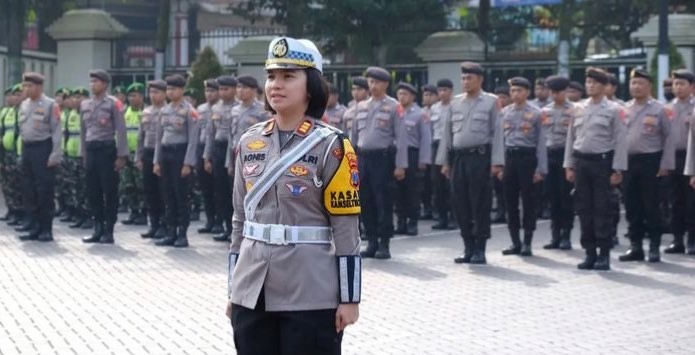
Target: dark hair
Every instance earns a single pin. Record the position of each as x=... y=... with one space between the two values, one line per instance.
x=317 y=89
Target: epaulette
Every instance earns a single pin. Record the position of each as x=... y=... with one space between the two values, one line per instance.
x=325 y=125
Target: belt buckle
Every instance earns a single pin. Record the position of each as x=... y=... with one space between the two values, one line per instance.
x=277 y=234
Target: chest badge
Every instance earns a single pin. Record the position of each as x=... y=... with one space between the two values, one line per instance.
x=256 y=145
x=250 y=169
x=298 y=170
x=296 y=190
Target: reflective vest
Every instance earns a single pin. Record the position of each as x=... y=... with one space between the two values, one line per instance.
x=72 y=134
x=11 y=133
x=132 y=124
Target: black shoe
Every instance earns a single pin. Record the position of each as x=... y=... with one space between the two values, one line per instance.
x=383 y=251
x=514 y=249
x=654 y=255
x=565 y=240
x=632 y=254
x=223 y=237
x=77 y=223
x=87 y=224
x=45 y=237
x=468 y=250
x=181 y=238
x=589 y=261
x=152 y=231
x=526 y=250
x=217 y=229
x=140 y=220
x=161 y=232
x=372 y=246
x=412 y=228
x=675 y=249
x=441 y=225
x=96 y=236
x=479 y=253
x=25 y=227
x=603 y=262
x=167 y=241
x=554 y=240
x=107 y=237
x=32 y=235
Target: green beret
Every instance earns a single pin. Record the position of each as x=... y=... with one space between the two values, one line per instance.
x=136 y=87
x=17 y=88
x=80 y=91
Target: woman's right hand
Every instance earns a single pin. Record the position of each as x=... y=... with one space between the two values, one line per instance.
x=157 y=170
x=228 y=312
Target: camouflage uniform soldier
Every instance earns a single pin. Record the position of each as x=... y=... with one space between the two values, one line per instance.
x=72 y=164
x=131 y=177
x=62 y=99
x=9 y=154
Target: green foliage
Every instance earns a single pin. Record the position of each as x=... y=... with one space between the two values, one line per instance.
x=206 y=66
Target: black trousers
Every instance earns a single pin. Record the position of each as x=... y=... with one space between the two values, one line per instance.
x=257 y=332
x=176 y=189
x=683 y=199
x=440 y=187
x=642 y=197
x=592 y=194
x=151 y=184
x=376 y=191
x=471 y=191
x=519 y=168
x=408 y=190
x=561 y=209
x=38 y=183
x=102 y=181
x=221 y=185
x=206 y=188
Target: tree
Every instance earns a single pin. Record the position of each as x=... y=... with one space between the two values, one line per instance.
x=206 y=66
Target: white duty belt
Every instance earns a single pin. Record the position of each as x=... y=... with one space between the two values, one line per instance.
x=278 y=234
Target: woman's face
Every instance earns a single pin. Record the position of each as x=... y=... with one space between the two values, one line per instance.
x=286 y=89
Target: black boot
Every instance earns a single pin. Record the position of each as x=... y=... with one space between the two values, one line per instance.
x=468 y=249
x=401 y=226
x=479 y=253
x=27 y=225
x=225 y=236
x=181 y=238
x=140 y=218
x=32 y=234
x=565 y=240
x=554 y=239
x=677 y=247
x=154 y=225
x=383 y=251
x=96 y=236
x=515 y=248
x=690 y=250
x=589 y=261
x=604 y=260
x=635 y=253
x=412 y=227
x=526 y=247
x=161 y=232
x=169 y=238
x=87 y=224
x=107 y=237
x=131 y=218
x=654 y=252
x=372 y=246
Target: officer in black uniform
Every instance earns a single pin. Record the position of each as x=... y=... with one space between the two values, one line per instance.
x=104 y=151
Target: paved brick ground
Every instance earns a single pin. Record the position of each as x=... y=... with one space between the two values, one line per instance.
x=135 y=298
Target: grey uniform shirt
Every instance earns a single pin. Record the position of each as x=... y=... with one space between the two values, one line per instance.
x=690 y=155
x=39 y=120
x=682 y=111
x=649 y=131
x=439 y=114
x=243 y=118
x=220 y=126
x=597 y=129
x=102 y=119
x=523 y=126
x=178 y=124
x=540 y=103
x=418 y=133
x=557 y=122
x=378 y=126
x=204 y=113
x=296 y=276
x=471 y=122
x=147 y=132
x=334 y=116
x=349 y=117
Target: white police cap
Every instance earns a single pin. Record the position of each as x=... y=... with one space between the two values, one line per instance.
x=290 y=53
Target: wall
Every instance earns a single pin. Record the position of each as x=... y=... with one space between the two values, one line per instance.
x=44 y=63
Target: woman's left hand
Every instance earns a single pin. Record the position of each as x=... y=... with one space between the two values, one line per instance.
x=228 y=312
x=347 y=314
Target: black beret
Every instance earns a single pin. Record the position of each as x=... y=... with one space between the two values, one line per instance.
x=429 y=88
x=668 y=82
x=597 y=74
x=640 y=73
x=683 y=74
x=32 y=77
x=576 y=86
x=445 y=83
x=407 y=86
x=361 y=82
x=248 y=80
x=557 y=83
x=211 y=84
x=332 y=89
x=378 y=73
x=158 y=84
x=519 y=81
x=175 y=80
x=100 y=74
x=227 y=80
x=540 y=81
x=502 y=89
x=472 y=68
x=612 y=79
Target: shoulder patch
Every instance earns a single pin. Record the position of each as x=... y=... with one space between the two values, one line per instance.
x=341 y=195
x=118 y=104
x=669 y=113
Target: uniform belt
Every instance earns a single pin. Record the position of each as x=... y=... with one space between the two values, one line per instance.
x=100 y=144
x=593 y=156
x=383 y=151
x=480 y=149
x=644 y=155
x=29 y=144
x=520 y=150
x=175 y=146
x=72 y=134
x=277 y=234
x=131 y=129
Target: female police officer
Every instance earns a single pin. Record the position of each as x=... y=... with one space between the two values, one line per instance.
x=295 y=269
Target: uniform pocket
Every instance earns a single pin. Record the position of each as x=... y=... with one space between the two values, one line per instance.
x=479 y=122
x=456 y=122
